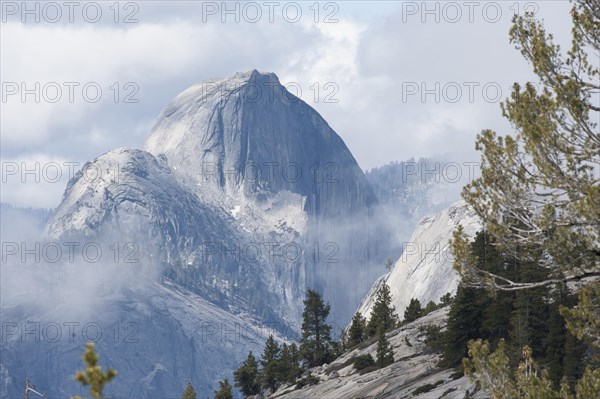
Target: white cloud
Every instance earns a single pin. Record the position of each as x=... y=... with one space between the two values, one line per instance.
x=370 y=59
x=36 y=180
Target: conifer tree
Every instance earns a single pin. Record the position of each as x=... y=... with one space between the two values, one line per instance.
x=413 y=311
x=430 y=307
x=189 y=392
x=270 y=364
x=383 y=312
x=533 y=322
x=93 y=376
x=446 y=300
x=225 y=390
x=574 y=360
x=357 y=330
x=385 y=353
x=341 y=345
x=556 y=338
x=246 y=377
x=582 y=320
x=564 y=353
x=289 y=364
x=492 y=372
x=539 y=186
x=498 y=306
x=464 y=324
x=539 y=190
x=530 y=311
x=315 y=346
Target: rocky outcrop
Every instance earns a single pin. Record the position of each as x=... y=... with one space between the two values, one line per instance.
x=248 y=144
x=245 y=194
x=241 y=197
x=247 y=135
x=424 y=270
x=130 y=196
x=414 y=374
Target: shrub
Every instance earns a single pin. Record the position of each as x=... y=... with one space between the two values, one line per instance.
x=363 y=361
x=456 y=375
x=339 y=366
x=307 y=381
x=433 y=337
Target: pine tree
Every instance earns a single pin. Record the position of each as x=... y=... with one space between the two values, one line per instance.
x=495 y=323
x=430 y=307
x=341 y=346
x=93 y=375
x=189 y=393
x=584 y=320
x=446 y=300
x=539 y=186
x=289 y=364
x=383 y=312
x=492 y=372
x=474 y=313
x=385 y=353
x=530 y=311
x=539 y=189
x=464 y=323
x=269 y=362
x=316 y=345
x=497 y=307
x=225 y=390
x=573 y=360
x=246 y=376
x=413 y=311
x=583 y=323
x=356 y=332
x=556 y=338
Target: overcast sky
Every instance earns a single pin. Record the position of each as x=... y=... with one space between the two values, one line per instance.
x=363 y=65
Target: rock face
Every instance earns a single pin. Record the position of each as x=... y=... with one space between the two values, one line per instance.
x=248 y=145
x=414 y=374
x=157 y=339
x=247 y=136
x=246 y=195
x=424 y=271
x=130 y=196
x=241 y=198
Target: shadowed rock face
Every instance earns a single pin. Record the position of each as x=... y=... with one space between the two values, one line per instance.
x=248 y=134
